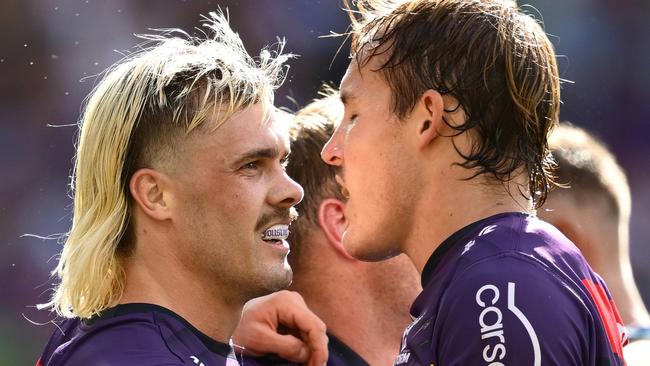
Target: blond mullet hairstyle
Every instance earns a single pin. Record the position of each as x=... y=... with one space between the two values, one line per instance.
x=144 y=103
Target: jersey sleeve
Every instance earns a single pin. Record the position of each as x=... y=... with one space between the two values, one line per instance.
x=508 y=310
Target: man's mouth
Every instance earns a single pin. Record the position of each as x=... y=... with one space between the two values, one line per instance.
x=276 y=234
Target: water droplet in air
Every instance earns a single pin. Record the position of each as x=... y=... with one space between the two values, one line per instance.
x=54 y=57
x=76 y=43
x=56 y=8
x=45 y=77
x=95 y=63
x=67 y=93
x=31 y=62
x=25 y=45
x=76 y=14
x=119 y=10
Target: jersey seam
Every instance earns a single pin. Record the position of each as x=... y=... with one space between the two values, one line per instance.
x=162 y=336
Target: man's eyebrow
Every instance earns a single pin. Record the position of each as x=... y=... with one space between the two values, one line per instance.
x=346 y=97
x=262 y=153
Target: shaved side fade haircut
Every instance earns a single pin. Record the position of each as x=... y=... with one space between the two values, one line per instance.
x=142 y=109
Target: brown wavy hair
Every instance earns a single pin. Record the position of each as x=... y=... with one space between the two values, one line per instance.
x=496 y=61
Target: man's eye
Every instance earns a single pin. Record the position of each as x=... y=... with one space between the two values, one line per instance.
x=252 y=165
x=351 y=121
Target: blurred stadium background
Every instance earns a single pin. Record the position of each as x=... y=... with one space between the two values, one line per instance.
x=51 y=51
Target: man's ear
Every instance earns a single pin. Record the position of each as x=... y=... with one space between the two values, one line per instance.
x=332 y=220
x=149 y=189
x=572 y=231
x=428 y=117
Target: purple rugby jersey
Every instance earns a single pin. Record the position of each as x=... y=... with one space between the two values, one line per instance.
x=339 y=355
x=511 y=290
x=133 y=334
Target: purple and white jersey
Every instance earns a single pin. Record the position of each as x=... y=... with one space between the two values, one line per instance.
x=339 y=355
x=511 y=290
x=134 y=334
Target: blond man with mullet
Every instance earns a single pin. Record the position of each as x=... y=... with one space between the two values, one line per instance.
x=181 y=208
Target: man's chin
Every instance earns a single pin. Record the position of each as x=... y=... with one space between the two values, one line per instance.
x=367 y=251
x=280 y=280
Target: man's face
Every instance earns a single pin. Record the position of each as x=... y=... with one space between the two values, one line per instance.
x=372 y=150
x=230 y=186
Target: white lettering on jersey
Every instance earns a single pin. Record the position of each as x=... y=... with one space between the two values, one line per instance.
x=196 y=361
x=491 y=329
x=486 y=230
x=402 y=358
x=491 y=322
x=468 y=246
x=404 y=352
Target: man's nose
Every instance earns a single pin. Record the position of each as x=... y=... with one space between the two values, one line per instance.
x=332 y=153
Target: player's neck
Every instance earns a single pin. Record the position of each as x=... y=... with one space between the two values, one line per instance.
x=373 y=316
x=605 y=246
x=625 y=293
x=452 y=204
x=150 y=279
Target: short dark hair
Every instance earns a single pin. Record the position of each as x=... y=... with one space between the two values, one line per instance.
x=587 y=169
x=312 y=127
x=496 y=61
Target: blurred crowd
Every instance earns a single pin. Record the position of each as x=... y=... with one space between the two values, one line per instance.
x=51 y=53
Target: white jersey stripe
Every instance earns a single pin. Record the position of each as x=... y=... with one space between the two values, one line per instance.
x=529 y=328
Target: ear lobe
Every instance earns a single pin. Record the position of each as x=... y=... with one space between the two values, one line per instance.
x=429 y=117
x=147 y=187
x=332 y=220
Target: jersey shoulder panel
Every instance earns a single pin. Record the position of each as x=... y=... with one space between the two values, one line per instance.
x=511 y=309
x=132 y=341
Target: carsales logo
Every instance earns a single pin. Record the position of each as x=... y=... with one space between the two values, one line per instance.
x=491 y=322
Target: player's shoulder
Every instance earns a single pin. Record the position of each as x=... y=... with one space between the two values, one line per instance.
x=503 y=278
x=518 y=235
x=133 y=339
x=511 y=306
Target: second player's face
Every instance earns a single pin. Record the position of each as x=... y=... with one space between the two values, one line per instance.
x=370 y=147
x=230 y=187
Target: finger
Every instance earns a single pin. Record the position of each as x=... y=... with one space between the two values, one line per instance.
x=259 y=340
x=289 y=348
x=312 y=329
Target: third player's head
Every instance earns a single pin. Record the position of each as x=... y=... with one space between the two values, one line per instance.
x=440 y=93
x=180 y=161
x=594 y=210
x=323 y=204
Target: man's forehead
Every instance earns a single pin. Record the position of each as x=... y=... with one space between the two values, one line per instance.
x=359 y=78
x=253 y=127
x=350 y=84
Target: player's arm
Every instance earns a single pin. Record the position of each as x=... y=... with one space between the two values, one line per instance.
x=258 y=330
x=510 y=311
